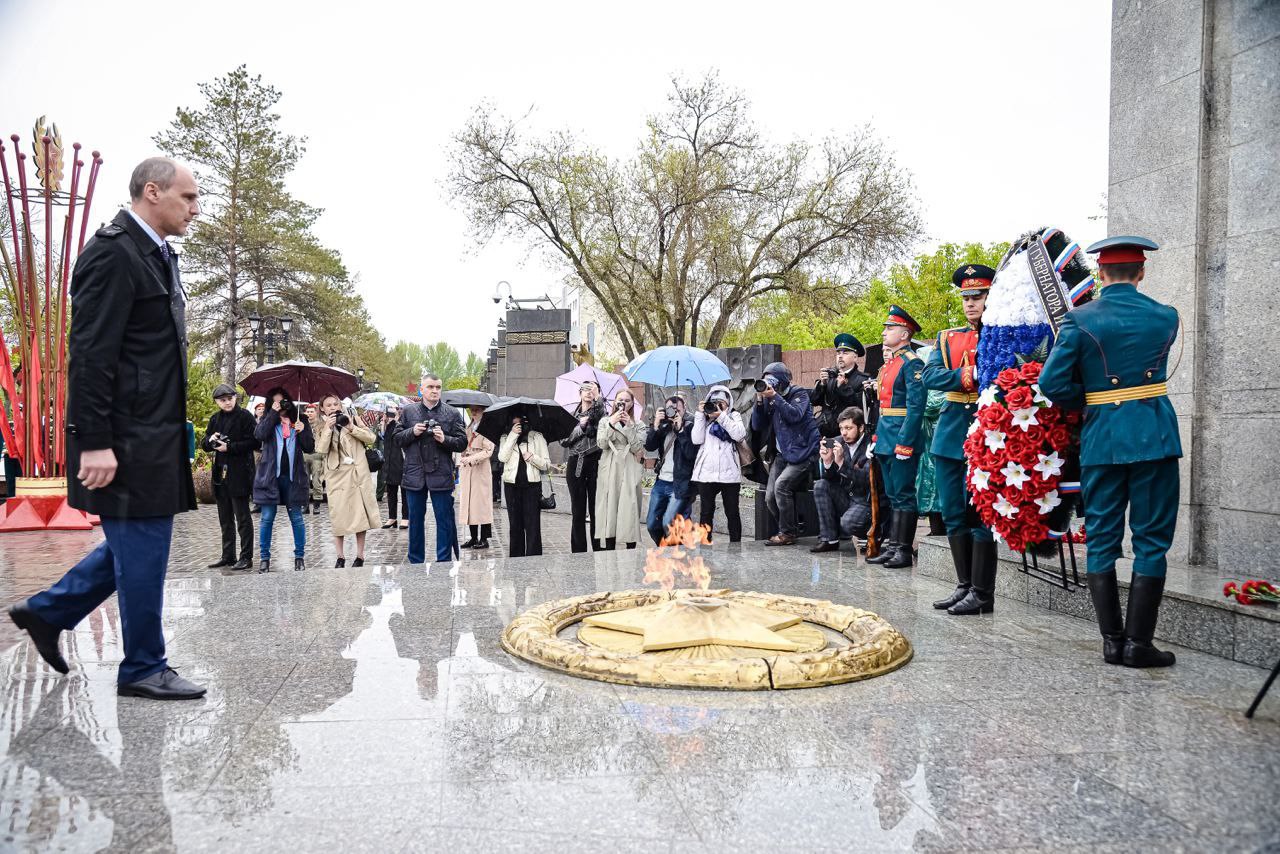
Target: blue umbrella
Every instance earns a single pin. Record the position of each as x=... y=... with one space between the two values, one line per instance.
x=677 y=365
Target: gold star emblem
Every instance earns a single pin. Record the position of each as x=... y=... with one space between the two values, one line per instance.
x=701 y=621
x=969 y=271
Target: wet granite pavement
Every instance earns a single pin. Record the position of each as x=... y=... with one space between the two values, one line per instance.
x=371 y=709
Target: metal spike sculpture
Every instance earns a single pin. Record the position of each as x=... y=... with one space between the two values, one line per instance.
x=36 y=392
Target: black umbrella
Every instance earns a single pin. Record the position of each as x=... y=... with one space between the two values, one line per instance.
x=468 y=397
x=306 y=381
x=549 y=418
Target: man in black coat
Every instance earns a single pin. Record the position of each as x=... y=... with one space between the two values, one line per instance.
x=126 y=429
x=430 y=432
x=229 y=438
x=842 y=386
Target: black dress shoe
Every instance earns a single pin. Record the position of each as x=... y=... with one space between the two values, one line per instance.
x=298 y=564
x=226 y=561
x=306 y=509
x=165 y=685
x=358 y=562
x=825 y=547
x=341 y=562
x=243 y=564
x=483 y=544
x=265 y=566
x=43 y=635
x=469 y=544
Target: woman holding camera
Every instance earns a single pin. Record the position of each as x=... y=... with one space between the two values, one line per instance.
x=353 y=506
x=621 y=441
x=717 y=430
x=281 y=478
x=525 y=460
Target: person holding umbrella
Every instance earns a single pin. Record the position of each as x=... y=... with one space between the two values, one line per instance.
x=430 y=432
x=525 y=460
x=281 y=479
x=621 y=441
x=475 y=485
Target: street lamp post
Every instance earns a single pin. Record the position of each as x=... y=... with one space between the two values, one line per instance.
x=265 y=337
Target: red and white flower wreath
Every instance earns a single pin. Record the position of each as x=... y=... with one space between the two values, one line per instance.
x=1016 y=450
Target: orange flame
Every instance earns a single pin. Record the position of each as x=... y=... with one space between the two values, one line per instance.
x=672 y=558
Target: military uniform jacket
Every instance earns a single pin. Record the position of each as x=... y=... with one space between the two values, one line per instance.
x=126 y=376
x=900 y=387
x=951 y=368
x=1119 y=340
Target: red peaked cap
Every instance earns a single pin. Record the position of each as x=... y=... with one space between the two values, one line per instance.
x=1125 y=249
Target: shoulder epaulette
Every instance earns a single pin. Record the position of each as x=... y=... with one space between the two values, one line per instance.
x=909 y=354
x=109 y=230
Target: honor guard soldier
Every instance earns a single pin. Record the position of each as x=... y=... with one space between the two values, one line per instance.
x=902 y=399
x=952 y=368
x=1111 y=357
x=841 y=386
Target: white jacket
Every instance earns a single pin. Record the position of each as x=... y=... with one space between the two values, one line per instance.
x=717 y=460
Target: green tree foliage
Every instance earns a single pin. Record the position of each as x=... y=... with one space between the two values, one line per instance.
x=252 y=248
x=203 y=377
x=409 y=361
x=922 y=287
x=706 y=218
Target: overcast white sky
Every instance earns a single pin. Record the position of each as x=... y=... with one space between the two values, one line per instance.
x=999 y=109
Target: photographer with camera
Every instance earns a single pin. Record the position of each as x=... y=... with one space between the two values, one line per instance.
x=353 y=506
x=582 y=465
x=281 y=478
x=841 y=386
x=229 y=437
x=430 y=432
x=672 y=437
x=621 y=441
x=525 y=462
x=717 y=430
x=393 y=467
x=787 y=410
x=843 y=493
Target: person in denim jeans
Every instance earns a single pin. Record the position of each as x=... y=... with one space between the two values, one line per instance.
x=430 y=432
x=672 y=437
x=281 y=478
x=786 y=409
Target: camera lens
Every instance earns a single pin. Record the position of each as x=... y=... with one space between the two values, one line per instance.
x=671 y=412
x=761 y=385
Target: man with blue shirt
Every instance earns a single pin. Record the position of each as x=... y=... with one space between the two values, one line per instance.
x=1111 y=358
x=126 y=429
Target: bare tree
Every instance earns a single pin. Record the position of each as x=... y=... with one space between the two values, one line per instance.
x=704 y=219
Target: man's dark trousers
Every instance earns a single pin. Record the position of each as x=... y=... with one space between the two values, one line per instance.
x=233 y=515
x=139 y=585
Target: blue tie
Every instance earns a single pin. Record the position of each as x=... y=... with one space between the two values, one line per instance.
x=164 y=251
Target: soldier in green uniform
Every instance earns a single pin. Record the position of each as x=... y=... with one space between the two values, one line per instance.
x=902 y=400
x=1111 y=357
x=952 y=369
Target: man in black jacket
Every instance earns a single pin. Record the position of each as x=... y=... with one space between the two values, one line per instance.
x=843 y=493
x=229 y=438
x=672 y=437
x=430 y=432
x=842 y=386
x=126 y=429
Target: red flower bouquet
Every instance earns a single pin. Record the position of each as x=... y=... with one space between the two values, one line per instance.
x=1018 y=449
x=1253 y=592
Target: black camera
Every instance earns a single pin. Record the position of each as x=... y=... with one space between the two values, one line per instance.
x=432 y=424
x=760 y=386
x=671 y=411
x=710 y=407
x=219 y=439
x=343 y=420
x=828 y=443
x=621 y=406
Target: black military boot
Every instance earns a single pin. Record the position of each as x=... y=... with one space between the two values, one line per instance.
x=981 y=598
x=1140 y=625
x=962 y=557
x=1106 y=604
x=905 y=536
x=888 y=548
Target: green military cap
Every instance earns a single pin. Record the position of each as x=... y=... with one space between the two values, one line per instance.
x=845 y=341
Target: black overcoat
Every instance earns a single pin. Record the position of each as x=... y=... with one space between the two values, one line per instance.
x=127 y=375
x=233 y=468
x=393 y=467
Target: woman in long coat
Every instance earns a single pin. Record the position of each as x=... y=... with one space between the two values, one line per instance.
x=353 y=505
x=621 y=441
x=393 y=469
x=475 y=485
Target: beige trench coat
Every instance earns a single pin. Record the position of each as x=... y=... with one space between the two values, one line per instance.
x=617 y=510
x=475 y=481
x=353 y=506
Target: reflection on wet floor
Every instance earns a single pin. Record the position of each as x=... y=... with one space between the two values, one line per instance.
x=373 y=709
